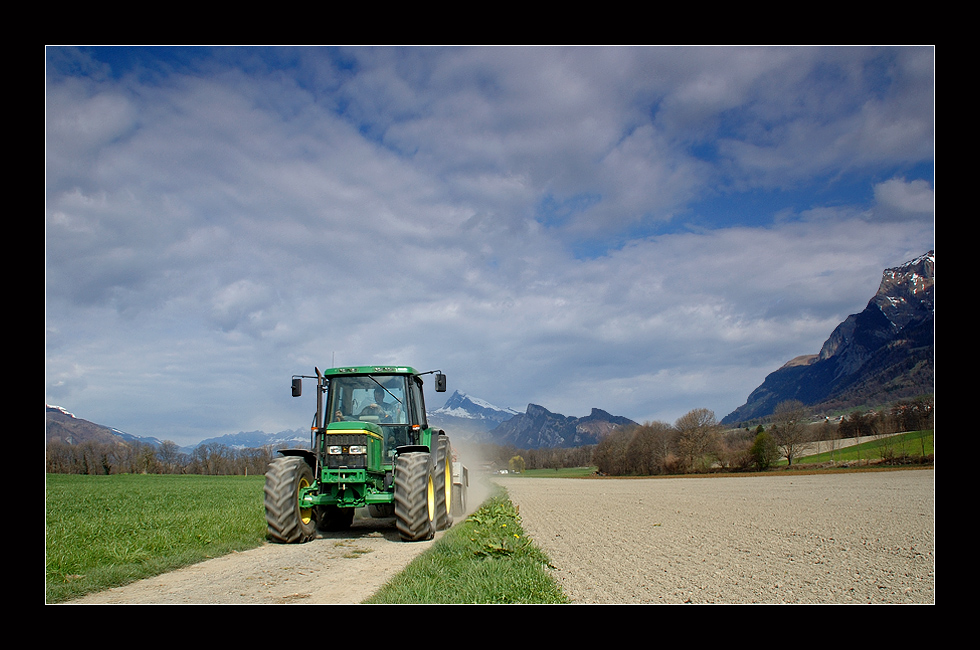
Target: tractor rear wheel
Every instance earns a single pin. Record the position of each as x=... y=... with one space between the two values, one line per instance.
x=443 y=483
x=414 y=497
x=288 y=523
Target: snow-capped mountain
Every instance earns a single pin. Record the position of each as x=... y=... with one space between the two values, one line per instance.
x=466 y=416
x=257 y=439
x=62 y=425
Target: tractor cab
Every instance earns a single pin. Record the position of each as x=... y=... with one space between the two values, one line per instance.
x=393 y=402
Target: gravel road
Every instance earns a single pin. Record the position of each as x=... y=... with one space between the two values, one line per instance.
x=833 y=538
x=335 y=568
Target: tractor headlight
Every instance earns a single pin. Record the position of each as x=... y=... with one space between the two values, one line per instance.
x=338 y=450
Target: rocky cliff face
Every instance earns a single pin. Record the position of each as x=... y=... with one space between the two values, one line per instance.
x=540 y=428
x=884 y=353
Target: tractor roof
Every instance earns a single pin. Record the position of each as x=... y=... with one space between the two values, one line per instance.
x=370 y=370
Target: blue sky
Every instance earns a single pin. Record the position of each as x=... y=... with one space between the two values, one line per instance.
x=645 y=230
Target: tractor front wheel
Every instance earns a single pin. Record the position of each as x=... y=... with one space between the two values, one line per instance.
x=414 y=497
x=288 y=523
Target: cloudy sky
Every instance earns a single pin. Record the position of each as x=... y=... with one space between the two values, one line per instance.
x=643 y=230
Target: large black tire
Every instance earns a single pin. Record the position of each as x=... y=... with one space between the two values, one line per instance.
x=443 y=478
x=287 y=522
x=414 y=497
x=332 y=518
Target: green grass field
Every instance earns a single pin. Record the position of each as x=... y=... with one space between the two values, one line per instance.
x=106 y=531
x=913 y=443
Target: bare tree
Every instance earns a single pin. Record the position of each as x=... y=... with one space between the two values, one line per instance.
x=830 y=434
x=664 y=443
x=609 y=455
x=791 y=429
x=169 y=456
x=697 y=434
x=639 y=452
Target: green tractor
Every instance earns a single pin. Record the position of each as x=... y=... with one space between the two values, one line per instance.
x=371 y=447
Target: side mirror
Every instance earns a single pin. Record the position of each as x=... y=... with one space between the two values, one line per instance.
x=440 y=383
x=297 y=386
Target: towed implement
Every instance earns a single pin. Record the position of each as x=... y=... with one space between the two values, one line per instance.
x=371 y=447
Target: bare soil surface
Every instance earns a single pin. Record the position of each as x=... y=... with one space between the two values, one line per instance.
x=865 y=537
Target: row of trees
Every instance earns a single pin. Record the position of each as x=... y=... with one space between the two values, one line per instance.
x=907 y=415
x=94 y=457
x=693 y=443
x=512 y=458
x=697 y=443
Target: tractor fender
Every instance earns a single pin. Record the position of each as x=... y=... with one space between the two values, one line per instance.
x=306 y=454
x=407 y=449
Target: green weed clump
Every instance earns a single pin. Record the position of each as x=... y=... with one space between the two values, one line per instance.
x=486 y=559
x=107 y=531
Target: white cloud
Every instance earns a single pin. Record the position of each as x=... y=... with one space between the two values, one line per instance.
x=898 y=198
x=212 y=232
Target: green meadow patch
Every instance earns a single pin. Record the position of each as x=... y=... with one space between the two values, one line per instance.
x=902 y=448
x=106 y=531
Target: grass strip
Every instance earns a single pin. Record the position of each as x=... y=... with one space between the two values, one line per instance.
x=486 y=559
x=913 y=444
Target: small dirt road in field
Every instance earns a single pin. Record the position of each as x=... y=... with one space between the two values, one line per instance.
x=864 y=537
x=335 y=568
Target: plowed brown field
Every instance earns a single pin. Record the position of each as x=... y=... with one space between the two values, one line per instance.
x=832 y=538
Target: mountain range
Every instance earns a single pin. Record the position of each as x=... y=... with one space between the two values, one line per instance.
x=883 y=354
x=467 y=418
x=539 y=428
x=62 y=425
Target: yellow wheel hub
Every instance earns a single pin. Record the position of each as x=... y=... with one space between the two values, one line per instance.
x=306 y=514
x=430 y=498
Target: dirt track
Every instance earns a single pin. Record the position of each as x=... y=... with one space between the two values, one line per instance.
x=335 y=568
x=832 y=538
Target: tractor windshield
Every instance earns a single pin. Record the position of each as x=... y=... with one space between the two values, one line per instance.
x=368 y=398
x=393 y=402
